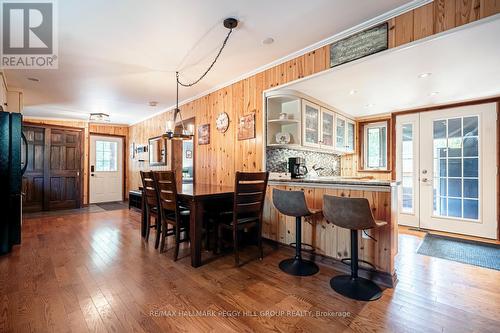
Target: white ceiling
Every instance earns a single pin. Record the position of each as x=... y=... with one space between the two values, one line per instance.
x=116 y=56
x=465 y=65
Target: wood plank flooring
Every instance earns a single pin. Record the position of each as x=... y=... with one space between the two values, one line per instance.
x=92 y=272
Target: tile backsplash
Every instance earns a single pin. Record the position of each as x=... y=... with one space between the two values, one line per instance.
x=277 y=161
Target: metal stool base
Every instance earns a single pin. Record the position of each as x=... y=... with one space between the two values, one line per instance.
x=358 y=288
x=299 y=267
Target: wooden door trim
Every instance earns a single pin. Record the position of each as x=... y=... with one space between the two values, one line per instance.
x=124 y=163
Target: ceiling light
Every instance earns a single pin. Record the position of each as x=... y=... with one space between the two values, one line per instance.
x=352 y=92
x=153 y=103
x=99 y=117
x=369 y=105
x=188 y=133
x=268 y=41
x=34 y=79
x=424 y=75
x=434 y=93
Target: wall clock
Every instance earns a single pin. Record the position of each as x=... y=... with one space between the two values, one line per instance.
x=222 y=122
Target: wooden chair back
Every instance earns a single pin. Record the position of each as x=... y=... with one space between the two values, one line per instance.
x=249 y=194
x=165 y=183
x=149 y=190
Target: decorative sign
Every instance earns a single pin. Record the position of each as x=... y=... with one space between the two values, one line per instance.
x=246 y=127
x=204 y=134
x=359 y=45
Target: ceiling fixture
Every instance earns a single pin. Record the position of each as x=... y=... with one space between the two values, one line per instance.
x=352 y=92
x=34 y=79
x=153 y=103
x=434 y=93
x=99 y=117
x=188 y=133
x=369 y=105
x=424 y=75
x=268 y=41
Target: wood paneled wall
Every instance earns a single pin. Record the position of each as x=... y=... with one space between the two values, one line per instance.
x=217 y=162
x=88 y=128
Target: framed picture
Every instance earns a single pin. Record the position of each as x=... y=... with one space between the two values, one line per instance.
x=204 y=134
x=189 y=154
x=132 y=150
x=246 y=127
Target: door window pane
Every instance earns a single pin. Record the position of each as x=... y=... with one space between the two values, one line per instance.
x=350 y=136
x=471 y=209
x=456 y=167
x=407 y=168
x=106 y=158
x=327 y=129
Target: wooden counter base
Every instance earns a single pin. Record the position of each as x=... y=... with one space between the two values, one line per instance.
x=331 y=241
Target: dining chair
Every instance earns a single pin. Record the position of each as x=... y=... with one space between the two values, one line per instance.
x=248 y=203
x=170 y=210
x=150 y=196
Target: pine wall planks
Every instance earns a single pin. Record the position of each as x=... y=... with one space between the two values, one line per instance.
x=218 y=161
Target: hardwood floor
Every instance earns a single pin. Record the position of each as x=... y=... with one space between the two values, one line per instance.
x=92 y=272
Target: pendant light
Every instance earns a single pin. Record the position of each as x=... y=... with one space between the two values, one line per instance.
x=188 y=133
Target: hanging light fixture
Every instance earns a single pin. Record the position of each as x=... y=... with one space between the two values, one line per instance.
x=188 y=133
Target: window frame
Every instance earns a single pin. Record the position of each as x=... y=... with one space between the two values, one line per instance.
x=362 y=145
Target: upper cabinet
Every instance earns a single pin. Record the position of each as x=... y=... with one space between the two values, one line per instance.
x=295 y=122
x=345 y=131
x=3 y=93
x=311 y=115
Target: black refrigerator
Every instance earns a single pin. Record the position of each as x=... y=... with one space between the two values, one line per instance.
x=11 y=171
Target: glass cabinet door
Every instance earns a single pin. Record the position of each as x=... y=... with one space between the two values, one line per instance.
x=311 y=115
x=327 y=129
x=350 y=136
x=341 y=129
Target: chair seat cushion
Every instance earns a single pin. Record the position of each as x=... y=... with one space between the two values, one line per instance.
x=227 y=218
x=182 y=213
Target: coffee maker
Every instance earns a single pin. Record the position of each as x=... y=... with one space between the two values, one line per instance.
x=297 y=167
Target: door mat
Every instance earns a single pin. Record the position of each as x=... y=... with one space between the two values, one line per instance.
x=461 y=250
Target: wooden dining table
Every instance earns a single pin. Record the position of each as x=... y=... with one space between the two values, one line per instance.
x=200 y=198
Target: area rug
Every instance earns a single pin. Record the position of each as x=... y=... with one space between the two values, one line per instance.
x=461 y=250
x=113 y=205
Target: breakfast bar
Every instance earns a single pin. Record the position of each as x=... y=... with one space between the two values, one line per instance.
x=333 y=242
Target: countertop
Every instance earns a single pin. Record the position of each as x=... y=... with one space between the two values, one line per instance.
x=341 y=181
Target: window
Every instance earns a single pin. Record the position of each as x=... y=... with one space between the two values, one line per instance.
x=106 y=158
x=375 y=146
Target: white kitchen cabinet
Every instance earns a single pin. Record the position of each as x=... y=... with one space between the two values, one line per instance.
x=327 y=129
x=311 y=124
x=345 y=133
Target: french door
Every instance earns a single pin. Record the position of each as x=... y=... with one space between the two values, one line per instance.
x=446 y=163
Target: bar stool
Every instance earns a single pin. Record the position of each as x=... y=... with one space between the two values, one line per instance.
x=293 y=203
x=354 y=214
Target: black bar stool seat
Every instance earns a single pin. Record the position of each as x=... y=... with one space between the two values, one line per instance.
x=293 y=203
x=354 y=214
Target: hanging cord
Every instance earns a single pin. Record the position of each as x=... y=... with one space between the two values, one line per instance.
x=208 y=69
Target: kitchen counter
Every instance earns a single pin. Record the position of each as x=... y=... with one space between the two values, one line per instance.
x=329 y=240
x=337 y=182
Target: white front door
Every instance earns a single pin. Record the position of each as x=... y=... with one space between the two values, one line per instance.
x=452 y=184
x=106 y=169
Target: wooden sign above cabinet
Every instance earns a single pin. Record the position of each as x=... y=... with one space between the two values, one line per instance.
x=360 y=45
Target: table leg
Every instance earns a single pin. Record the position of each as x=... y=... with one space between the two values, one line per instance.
x=143 y=218
x=195 y=232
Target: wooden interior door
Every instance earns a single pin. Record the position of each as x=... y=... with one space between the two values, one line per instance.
x=33 y=178
x=63 y=168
